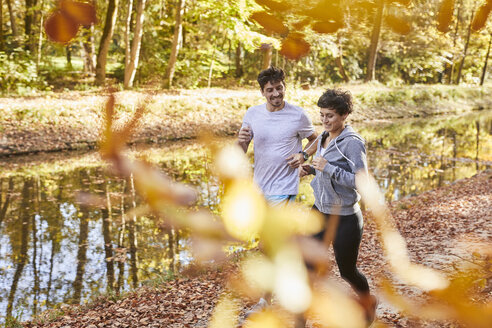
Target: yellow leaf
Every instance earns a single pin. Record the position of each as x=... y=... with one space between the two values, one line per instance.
x=243 y=209
x=291 y=285
x=265 y=319
x=225 y=313
x=334 y=308
x=231 y=163
x=258 y=271
x=393 y=243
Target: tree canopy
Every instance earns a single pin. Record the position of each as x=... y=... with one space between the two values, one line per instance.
x=198 y=43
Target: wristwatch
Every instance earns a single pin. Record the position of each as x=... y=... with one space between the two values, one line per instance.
x=304 y=155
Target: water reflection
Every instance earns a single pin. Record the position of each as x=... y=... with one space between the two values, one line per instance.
x=54 y=249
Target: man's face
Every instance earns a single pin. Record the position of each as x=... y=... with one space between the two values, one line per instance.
x=274 y=93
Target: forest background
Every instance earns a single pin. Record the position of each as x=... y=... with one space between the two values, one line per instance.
x=192 y=44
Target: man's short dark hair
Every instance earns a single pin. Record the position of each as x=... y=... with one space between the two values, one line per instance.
x=272 y=74
x=337 y=99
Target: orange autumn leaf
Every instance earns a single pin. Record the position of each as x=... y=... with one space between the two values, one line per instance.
x=445 y=15
x=398 y=25
x=274 y=5
x=481 y=16
x=80 y=12
x=327 y=27
x=294 y=47
x=60 y=28
x=270 y=22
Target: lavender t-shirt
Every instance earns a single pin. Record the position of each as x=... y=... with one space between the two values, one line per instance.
x=276 y=136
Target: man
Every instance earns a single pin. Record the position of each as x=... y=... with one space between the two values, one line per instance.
x=278 y=129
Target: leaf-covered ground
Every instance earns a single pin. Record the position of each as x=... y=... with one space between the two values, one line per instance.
x=434 y=224
x=72 y=120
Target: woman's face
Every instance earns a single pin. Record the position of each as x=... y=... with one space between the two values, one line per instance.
x=331 y=120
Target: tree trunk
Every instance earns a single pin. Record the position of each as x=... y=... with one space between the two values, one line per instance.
x=128 y=25
x=132 y=237
x=21 y=257
x=477 y=126
x=2 y=42
x=29 y=21
x=239 y=67
x=131 y=69
x=456 y=29
x=121 y=240
x=465 y=50
x=40 y=37
x=5 y=205
x=81 y=255
x=339 y=60
x=68 y=52
x=106 y=215
x=13 y=24
x=266 y=49
x=484 y=69
x=105 y=41
x=171 y=251
x=35 y=267
x=87 y=45
x=210 y=71
x=175 y=46
x=376 y=31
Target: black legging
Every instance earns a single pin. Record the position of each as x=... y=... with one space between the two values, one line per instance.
x=346 y=248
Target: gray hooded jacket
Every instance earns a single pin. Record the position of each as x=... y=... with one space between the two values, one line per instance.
x=335 y=185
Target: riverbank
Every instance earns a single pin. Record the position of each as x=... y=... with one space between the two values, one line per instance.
x=435 y=224
x=72 y=120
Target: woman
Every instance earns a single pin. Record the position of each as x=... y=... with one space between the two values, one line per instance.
x=341 y=153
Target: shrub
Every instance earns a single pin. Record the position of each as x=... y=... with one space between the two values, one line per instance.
x=18 y=73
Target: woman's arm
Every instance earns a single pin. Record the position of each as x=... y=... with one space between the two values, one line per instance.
x=356 y=154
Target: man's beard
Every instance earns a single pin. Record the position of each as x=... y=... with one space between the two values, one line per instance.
x=277 y=101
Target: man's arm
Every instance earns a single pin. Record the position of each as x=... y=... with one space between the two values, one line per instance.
x=295 y=160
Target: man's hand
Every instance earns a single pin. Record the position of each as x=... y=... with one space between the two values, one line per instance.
x=304 y=170
x=295 y=160
x=319 y=163
x=245 y=135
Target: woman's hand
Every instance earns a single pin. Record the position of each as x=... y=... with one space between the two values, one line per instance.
x=304 y=169
x=319 y=163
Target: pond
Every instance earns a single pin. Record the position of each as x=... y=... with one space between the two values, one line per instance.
x=54 y=249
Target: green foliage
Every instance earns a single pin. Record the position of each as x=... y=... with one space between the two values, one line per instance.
x=220 y=46
x=18 y=73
